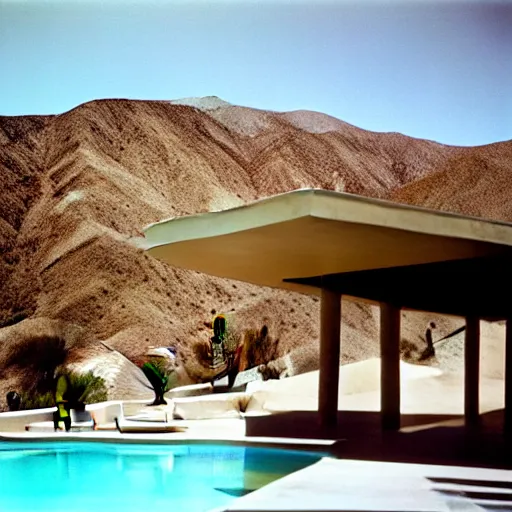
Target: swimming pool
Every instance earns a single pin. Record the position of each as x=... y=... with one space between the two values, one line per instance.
x=101 y=476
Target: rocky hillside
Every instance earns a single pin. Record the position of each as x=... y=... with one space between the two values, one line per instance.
x=77 y=187
x=474 y=182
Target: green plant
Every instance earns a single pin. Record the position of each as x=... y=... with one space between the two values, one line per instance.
x=76 y=388
x=79 y=389
x=227 y=335
x=87 y=388
x=37 y=401
x=220 y=326
x=160 y=377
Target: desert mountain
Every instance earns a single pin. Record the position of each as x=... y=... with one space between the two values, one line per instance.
x=474 y=182
x=78 y=187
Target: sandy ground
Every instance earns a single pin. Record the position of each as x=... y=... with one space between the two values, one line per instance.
x=424 y=390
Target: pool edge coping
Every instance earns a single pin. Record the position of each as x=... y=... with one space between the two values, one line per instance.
x=300 y=444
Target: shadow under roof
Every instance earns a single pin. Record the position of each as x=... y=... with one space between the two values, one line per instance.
x=363 y=247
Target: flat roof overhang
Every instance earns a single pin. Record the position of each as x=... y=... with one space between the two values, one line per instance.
x=469 y=287
x=365 y=248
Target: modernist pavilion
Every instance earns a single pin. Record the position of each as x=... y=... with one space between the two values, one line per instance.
x=332 y=244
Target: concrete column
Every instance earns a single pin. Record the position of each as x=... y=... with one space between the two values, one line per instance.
x=508 y=379
x=390 y=366
x=472 y=371
x=330 y=317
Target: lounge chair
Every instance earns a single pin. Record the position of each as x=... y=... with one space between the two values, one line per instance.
x=82 y=420
x=78 y=421
x=146 y=427
x=145 y=424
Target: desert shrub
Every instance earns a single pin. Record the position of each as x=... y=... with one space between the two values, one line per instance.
x=273 y=369
x=161 y=378
x=232 y=339
x=409 y=352
x=37 y=400
x=82 y=388
x=36 y=360
x=242 y=349
x=202 y=352
x=15 y=318
x=44 y=350
x=85 y=388
x=197 y=361
x=258 y=348
x=197 y=358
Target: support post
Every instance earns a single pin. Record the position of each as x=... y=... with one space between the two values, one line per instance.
x=390 y=366
x=507 y=426
x=330 y=317
x=472 y=371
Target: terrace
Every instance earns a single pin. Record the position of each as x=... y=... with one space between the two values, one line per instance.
x=333 y=245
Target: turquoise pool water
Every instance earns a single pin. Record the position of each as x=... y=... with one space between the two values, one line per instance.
x=81 y=476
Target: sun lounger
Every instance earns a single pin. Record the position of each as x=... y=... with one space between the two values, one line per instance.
x=146 y=427
x=81 y=420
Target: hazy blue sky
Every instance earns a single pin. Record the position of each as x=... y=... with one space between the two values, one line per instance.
x=432 y=69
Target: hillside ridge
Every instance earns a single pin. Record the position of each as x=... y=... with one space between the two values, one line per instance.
x=78 y=187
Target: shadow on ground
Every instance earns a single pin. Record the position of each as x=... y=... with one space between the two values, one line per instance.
x=430 y=439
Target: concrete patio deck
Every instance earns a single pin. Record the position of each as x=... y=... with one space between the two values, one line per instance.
x=353 y=485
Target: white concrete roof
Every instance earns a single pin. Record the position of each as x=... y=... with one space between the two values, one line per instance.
x=313 y=232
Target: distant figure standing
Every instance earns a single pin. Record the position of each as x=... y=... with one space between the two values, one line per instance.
x=430 y=350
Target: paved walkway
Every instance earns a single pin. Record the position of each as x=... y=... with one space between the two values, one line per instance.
x=352 y=485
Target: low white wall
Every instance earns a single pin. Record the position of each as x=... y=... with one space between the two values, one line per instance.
x=104 y=413
x=15 y=421
x=191 y=390
x=222 y=405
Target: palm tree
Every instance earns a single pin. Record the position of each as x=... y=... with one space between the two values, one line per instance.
x=160 y=378
x=85 y=388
